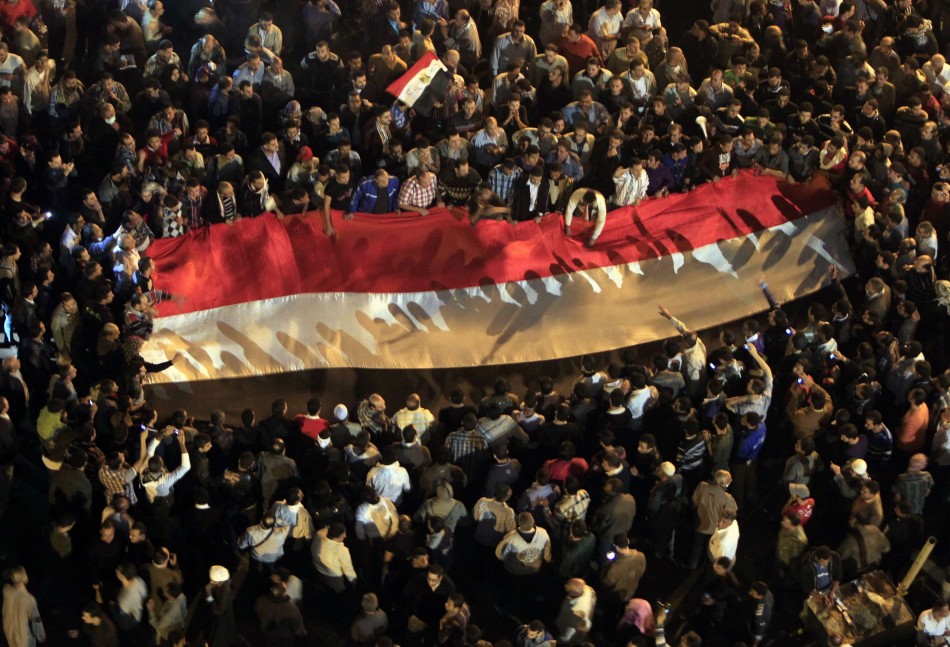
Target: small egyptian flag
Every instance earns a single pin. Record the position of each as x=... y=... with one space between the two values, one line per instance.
x=423 y=84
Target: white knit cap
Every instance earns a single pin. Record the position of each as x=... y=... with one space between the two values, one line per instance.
x=859 y=467
x=340 y=412
x=219 y=574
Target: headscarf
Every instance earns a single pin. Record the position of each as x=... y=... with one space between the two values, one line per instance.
x=292 y=111
x=639 y=614
x=942 y=288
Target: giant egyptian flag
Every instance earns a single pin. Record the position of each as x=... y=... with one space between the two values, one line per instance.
x=268 y=296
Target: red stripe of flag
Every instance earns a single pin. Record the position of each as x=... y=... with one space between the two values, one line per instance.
x=264 y=257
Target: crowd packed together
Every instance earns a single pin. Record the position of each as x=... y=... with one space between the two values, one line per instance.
x=126 y=122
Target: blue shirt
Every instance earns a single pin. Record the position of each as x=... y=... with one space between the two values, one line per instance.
x=751 y=443
x=677 y=169
x=595 y=116
x=570 y=167
x=423 y=10
x=366 y=194
x=880 y=444
x=822 y=578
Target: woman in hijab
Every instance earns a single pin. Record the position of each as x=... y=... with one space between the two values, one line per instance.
x=175 y=84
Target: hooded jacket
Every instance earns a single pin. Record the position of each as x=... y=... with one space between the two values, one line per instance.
x=524 y=556
x=442 y=505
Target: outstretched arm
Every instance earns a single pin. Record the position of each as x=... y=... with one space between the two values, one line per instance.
x=754 y=353
x=143 y=451
x=773 y=304
x=834 y=275
x=679 y=325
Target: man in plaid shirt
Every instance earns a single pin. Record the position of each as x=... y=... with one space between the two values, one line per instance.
x=192 y=203
x=420 y=192
x=467 y=447
x=116 y=475
x=502 y=178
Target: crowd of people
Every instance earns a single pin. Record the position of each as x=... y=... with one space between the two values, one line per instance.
x=125 y=122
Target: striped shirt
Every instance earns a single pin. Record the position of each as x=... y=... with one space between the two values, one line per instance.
x=631 y=188
x=913 y=487
x=690 y=454
x=228 y=207
x=469 y=450
x=880 y=445
x=506 y=50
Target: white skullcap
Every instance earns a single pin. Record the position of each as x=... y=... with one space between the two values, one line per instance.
x=859 y=467
x=668 y=468
x=340 y=412
x=219 y=574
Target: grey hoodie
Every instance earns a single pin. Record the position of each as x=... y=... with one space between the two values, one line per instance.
x=442 y=505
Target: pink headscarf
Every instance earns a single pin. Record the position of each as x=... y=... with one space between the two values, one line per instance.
x=639 y=614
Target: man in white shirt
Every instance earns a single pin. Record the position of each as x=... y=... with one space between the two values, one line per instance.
x=416 y=415
x=604 y=27
x=641 y=397
x=389 y=478
x=376 y=517
x=587 y=203
x=332 y=558
x=759 y=392
x=130 y=600
x=725 y=539
x=265 y=541
x=577 y=612
x=37 y=84
x=937 y=72
x=631 y=184
x=642 y=83
x=642 y=20
x=11 y=66
x=694 y=353
x=933 y=625
x=158 y=482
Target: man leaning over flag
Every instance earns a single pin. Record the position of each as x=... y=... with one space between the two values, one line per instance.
x=378 y=193
x=588 y=203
